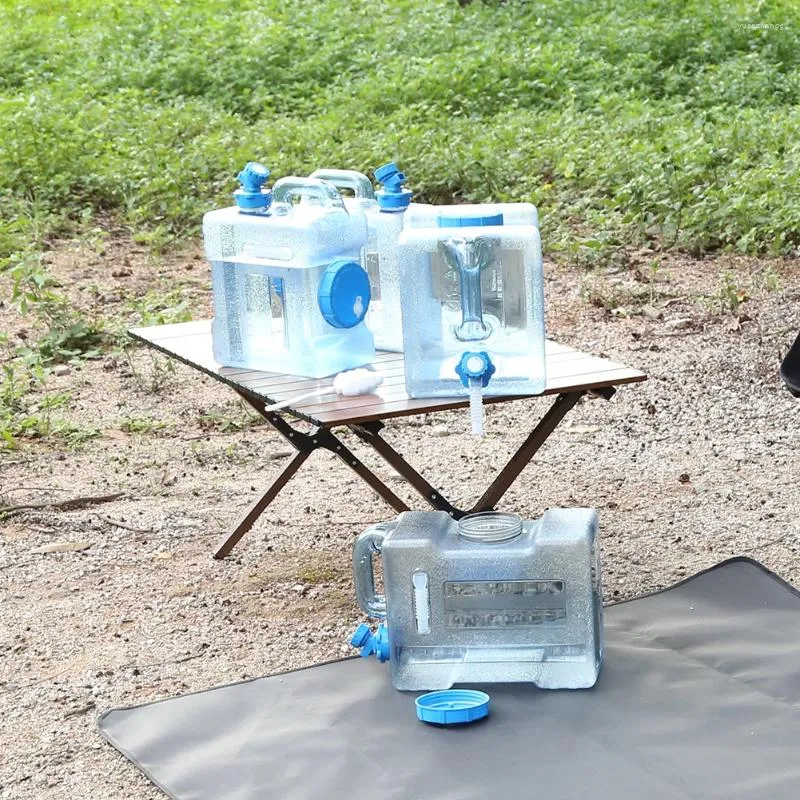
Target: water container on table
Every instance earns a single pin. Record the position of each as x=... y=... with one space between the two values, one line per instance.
x=290 y=294
x=490 y=598
x=472 y=301
x=384 y=210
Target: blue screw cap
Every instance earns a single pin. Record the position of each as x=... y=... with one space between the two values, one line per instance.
x=476 y=364
x=477 y=221
x=452 y=707
x=361 y=635
x=392 y=197
x=252 y=197
x=344 y=294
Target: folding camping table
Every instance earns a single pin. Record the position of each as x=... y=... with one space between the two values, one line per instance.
x=571 y=374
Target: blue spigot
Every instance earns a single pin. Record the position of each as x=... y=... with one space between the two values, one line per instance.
x=376 y=644
x=393 y=196
x=475 y=366
x=253 y=198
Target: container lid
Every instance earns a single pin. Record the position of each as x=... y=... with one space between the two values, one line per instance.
x=453 y=706
x=469 y=221
x=344 y=294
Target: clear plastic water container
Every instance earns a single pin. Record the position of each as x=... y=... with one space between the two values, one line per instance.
x=290 y=294
x=490 y=598
x=384 y=211
x=473 y=300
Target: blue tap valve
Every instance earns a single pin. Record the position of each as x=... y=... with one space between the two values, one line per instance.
x=253 y=176
x=376 y=644
x=476 y=364
x=382 y=643
x=392 y=196
x=253 y=197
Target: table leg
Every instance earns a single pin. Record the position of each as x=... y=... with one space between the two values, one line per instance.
x=231 y=539
x=526 y=451
x=337 y=447
x=369 y=432
x=305 y=444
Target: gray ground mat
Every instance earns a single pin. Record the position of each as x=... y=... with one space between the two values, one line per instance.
x=698 y=698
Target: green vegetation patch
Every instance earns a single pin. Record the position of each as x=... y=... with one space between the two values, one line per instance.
x=626 y=122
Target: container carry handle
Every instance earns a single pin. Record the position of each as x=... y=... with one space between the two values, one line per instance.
x=347 y=179
x=326 y=194
x=367 y=545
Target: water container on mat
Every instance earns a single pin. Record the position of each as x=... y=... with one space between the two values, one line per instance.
x=290 y=294
x=490 y=598
x=472 y=300
x=384 y=210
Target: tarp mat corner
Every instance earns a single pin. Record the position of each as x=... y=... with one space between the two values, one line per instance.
x=698 y=699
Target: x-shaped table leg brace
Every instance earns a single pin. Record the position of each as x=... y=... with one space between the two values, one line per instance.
x=369 y=432
x=305 y=444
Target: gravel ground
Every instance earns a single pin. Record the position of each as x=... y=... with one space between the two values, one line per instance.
x=694 y=466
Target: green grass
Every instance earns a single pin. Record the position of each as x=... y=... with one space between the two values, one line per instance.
x=627 y=122
x=25 y=417
x=140 y=425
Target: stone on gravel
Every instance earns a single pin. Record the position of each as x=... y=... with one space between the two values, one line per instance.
x=680 y=324
x=652 y=313
x=277 y=455
x=62 y=547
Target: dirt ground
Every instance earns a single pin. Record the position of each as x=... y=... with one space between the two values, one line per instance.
x=698 y=464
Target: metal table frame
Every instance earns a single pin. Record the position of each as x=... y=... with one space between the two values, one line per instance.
x=191 y=344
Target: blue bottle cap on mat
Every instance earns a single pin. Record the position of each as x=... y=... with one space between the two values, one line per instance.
x=453 y=706
x=343 y=295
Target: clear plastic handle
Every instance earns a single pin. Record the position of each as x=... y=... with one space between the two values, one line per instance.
x=322 y=192
x=347 y=179
x=367 y=545
x=469 y=257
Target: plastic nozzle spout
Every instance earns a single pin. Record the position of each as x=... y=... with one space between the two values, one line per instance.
x=476 y=406
x=475 y=370
x=393 y=196
x=350 y=383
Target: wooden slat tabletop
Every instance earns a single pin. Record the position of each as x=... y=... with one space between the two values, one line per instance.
x=567 y=370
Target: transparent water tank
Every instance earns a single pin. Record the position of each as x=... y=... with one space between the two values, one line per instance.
x=472 y=300
x=490 y=598
x=290 y=294
x=384 y=211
